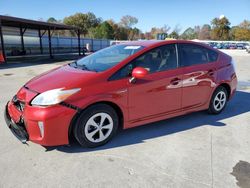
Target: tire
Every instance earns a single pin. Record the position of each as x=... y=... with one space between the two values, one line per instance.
x=218 y=101
x=96 y=125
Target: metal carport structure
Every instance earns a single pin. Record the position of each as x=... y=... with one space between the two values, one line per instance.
x=24 y=24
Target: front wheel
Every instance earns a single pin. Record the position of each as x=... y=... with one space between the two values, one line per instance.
x=218 y=101
x=96 y=125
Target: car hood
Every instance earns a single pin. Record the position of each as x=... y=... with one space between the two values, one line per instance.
x=63 y=77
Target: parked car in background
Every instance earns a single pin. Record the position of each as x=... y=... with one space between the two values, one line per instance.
x=247 y=47
x=232 y=46
x=219 y=46
x=215 y=45
x=124 y=86
x=225 y=46
x=240 y=46
x=212 y=44
x=245 y=44
x=222 y=46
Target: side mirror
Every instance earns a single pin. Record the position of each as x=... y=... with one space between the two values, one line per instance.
x=137 y=73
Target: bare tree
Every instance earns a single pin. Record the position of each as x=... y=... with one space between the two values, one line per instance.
x=128 y=21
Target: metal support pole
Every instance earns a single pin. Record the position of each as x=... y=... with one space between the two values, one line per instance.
x=79 y=42
x=2 y=42
x=92 y=45
x=41 y=42
x=50 y=50
x=22 y=41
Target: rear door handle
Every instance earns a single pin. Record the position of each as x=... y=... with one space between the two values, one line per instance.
x=210 y=72
x=175 y=81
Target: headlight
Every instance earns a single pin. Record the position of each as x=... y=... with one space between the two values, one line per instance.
x=54 y=96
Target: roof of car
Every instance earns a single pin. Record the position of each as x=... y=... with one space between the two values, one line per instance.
x=148 y=43
x=155 y=43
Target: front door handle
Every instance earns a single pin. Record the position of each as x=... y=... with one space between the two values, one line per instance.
x=175 y=81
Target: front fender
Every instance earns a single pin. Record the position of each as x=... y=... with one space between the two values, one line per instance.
x=118 y=98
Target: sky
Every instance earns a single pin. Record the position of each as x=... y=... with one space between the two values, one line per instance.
x=150 y=13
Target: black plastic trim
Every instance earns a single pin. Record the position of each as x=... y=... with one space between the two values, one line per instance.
x=18 y=130
x=71 y=106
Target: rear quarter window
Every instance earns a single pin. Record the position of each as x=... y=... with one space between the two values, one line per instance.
x=212 y=55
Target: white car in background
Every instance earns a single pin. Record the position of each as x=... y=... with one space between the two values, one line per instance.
x=248 y=48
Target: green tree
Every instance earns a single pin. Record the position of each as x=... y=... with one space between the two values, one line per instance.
x=122 y=33
x=232 y=32
x=242 y=31
x=220 y=28
x=103 y=31
x=83 y=21
x=59 y=32
x=174 y=35
x=204 y=33
x=125 y=31
x=134 y=33
x=189 y=34
x=52 y=20
x=119 y=33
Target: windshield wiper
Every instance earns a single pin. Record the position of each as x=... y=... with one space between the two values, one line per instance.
x=82 y=67
x=74 y=64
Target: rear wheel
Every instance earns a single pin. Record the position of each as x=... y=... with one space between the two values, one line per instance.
x=96 y=125
x=218 y=101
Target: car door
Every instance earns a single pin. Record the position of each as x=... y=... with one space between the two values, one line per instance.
x=199 y=73
x=159 y=92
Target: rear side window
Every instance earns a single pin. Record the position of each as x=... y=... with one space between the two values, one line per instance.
x=192 y=54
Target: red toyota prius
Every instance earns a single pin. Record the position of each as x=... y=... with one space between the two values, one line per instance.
x=125 y=85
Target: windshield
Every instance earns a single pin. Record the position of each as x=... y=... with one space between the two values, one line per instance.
x=106 y=58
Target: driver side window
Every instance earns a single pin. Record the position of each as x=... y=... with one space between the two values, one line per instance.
x=159 y=59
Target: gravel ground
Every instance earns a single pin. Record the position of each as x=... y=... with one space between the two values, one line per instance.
x=195 y=150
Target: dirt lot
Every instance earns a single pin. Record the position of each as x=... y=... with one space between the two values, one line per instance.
x=196 y=150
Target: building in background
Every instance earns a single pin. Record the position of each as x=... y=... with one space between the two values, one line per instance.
x=23 y=37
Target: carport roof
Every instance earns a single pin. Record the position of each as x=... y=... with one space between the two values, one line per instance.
x=32 y=24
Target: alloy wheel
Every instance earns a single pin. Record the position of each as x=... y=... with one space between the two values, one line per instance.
x=99 y=127
x=220 y=100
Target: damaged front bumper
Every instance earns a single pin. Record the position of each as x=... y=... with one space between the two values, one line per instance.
x=18 y=129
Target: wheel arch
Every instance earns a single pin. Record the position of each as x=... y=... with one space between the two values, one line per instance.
x=227 y=87
x=116 y=107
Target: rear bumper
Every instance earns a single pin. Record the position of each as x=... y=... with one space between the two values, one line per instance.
x=233 y=86
x=18 y=129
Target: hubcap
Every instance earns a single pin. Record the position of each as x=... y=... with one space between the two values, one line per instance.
x=98 y=127
x=220 y=100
